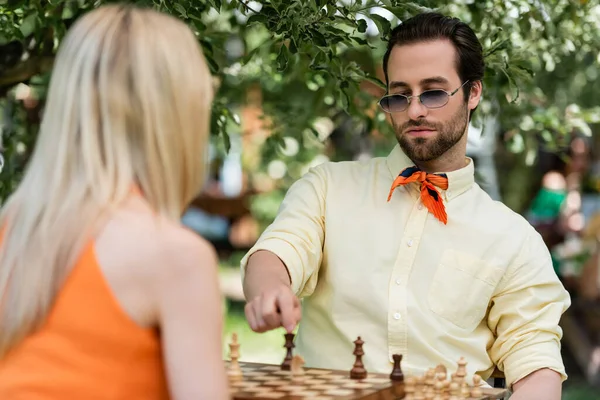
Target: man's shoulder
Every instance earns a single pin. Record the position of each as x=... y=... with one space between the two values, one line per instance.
x=500 y=217
x=360 y=167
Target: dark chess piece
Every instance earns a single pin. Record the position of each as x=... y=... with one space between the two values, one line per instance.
x=397 y=374
x=358 y=371
x=286 y=365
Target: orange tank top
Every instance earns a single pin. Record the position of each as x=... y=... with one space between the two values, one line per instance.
x=88 y=348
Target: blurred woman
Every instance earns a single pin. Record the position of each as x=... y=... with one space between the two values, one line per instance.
x=103 y=294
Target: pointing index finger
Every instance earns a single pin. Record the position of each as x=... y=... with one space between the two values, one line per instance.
x=287 y=303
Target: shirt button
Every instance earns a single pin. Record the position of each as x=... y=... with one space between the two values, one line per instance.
x=410 y=243
x=398 y=281
x=420 y=206
x=397 y=316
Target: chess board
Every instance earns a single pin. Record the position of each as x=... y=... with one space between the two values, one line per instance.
x=264 y=381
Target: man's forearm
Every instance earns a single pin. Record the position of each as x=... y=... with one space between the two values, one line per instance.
x=542 y=384
x=264 y=271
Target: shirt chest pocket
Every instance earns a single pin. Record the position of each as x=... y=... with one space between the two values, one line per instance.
x=462 y=287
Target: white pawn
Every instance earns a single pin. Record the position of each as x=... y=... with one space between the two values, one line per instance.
x=476 y=391
x=296 y=367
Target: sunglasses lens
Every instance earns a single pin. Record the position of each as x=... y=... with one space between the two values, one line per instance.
x=394 y=103
x=434 y=98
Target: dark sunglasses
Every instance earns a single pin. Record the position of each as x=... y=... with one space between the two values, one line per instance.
x=435 y=98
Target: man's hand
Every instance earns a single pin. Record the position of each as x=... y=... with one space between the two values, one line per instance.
x=271 y=300
x=542 y=384
x=274 y=308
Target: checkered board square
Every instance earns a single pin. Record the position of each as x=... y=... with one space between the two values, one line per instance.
x=263 y=381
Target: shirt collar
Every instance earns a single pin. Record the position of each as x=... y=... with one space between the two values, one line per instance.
x=459 y=181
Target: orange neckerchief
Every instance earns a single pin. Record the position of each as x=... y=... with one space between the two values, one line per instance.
x=429 y=194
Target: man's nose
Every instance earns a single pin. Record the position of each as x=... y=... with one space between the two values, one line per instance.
x=416 y=109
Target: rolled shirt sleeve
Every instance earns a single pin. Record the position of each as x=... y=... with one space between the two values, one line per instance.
x=297 y=233
x=525 y=314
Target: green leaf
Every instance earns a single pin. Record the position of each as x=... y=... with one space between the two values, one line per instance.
x=260 y=18
x=180 y=9
x=207 y=46
x=216 y=4
x=360 y=40
x=320 y=61
x=255 y=50
x=382 y=23
x=212 y=64
x=331 y=9
x=501 y=45
x=29 y=24
x=397 y=11
x=343 y=99
x=226 y=140
x=269 y=11
x=362 y=25
x=293 y=47
x=283 y=58
x=318 y=38
x=512 y=85
x=376 y=81
x=417 y=8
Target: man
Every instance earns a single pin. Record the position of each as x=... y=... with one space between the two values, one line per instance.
x=408 y=251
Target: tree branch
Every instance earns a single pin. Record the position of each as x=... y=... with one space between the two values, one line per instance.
x=27 y=69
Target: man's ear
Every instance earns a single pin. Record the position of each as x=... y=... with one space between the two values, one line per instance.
x=475 y=94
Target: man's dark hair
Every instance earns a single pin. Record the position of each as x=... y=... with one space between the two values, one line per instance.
x=433 y=26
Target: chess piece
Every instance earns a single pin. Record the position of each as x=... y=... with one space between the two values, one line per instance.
x=429 y=377
x=440 y=376
x=289 y=345
x=429 y=391
x=409 y=388
x=464 y=390
x=296 y=366
x=441 y=368
x=476 y=391
x=235 y=371
x=446 y=388
x=397 y=374
x=419 y=388
x=461 y=371
x=438 y=387
x=454 y=388
x=358 y=371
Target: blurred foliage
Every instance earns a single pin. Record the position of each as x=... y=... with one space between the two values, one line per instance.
x=319 y=60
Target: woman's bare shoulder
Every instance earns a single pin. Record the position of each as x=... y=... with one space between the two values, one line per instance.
x=152 y=241
x=145 y=258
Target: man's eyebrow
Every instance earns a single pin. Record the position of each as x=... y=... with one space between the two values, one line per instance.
x=426 y=81
x=397 y=84
x=435 y=79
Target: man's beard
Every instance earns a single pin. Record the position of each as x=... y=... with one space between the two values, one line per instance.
x=423 y=149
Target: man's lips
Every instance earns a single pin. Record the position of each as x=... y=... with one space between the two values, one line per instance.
x=420 y=131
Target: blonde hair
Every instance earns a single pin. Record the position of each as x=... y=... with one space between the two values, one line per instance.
x=128 y=107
